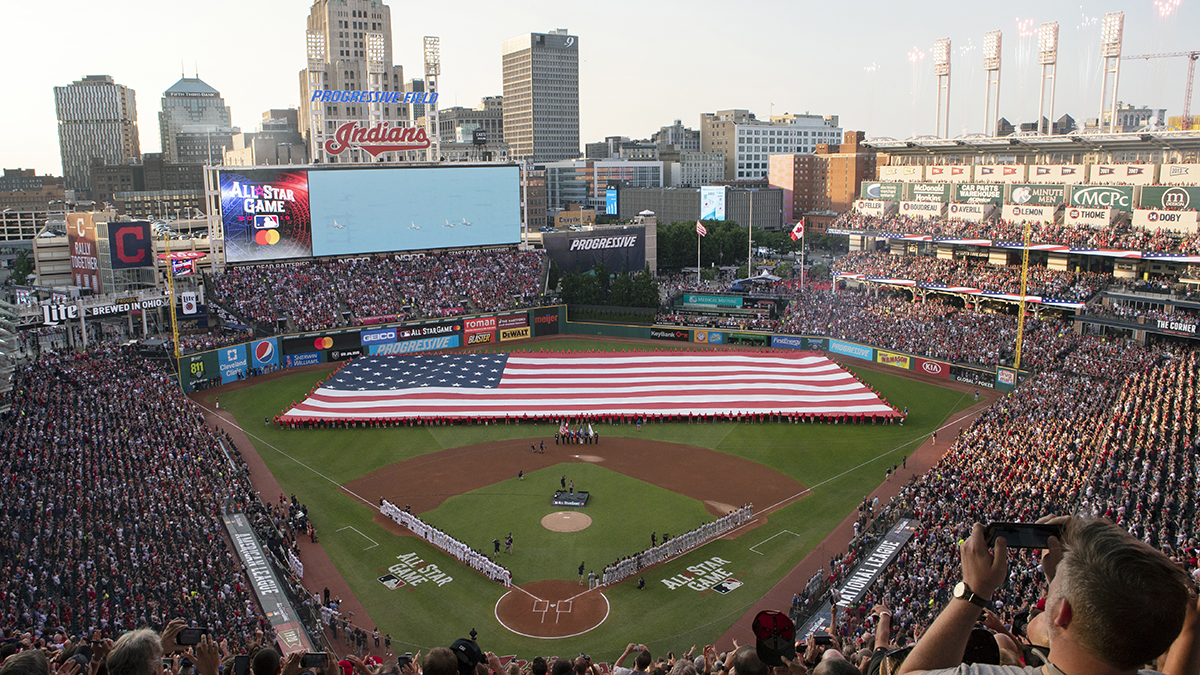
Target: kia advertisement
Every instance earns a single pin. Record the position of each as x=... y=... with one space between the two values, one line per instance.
x=376 y=210
x=935 y=368
x=265 y=213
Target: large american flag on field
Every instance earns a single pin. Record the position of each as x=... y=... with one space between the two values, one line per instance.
x=560 y=384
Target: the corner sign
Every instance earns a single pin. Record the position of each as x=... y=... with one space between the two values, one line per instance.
x=377 y=139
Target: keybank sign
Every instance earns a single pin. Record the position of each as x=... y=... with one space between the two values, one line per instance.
x=1104 y=196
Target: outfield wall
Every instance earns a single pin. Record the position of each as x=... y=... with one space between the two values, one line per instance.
x=499 y=329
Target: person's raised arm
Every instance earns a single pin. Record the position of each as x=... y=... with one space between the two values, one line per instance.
x=944 y=643
x=1183 y=658
x=883 y=631
x=620 y=662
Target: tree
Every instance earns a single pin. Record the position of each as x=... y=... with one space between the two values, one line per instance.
x=645 y=290
x=620 y=293
x=22 y=267
x=552 y=277
x=602 y=277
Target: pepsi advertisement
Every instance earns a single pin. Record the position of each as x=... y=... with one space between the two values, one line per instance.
x=264 y=353
x=265 y=213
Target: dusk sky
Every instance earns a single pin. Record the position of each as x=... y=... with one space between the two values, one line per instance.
x=643 y=64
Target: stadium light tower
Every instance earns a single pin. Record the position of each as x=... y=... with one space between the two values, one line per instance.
x=1111 y=32
x=1048 y=57
x=433 y=68
x=941 y=68
x=991 y=72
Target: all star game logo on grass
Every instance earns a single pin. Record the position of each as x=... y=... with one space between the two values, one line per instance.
x=708 y=575
x=411 y=571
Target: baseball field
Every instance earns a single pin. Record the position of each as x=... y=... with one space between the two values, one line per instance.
x=803 y=480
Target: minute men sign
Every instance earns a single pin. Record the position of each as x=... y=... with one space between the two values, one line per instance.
x=616 y=247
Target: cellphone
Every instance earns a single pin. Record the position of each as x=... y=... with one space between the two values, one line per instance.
x=314 y=660
x=403 y=660
x=168 y=664
x=241 y=664
x=823 y=639
x=190 y=636
x=1024 y=535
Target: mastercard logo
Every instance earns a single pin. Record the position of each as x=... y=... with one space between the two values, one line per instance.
x=323 y=342
x=266 y=237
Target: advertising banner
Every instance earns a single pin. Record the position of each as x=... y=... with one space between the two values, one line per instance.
x=979 y=378
x=320 y=342
x=1057 y=174
x=421 y=345
x=971 y=213
x=711 y=337
x=923 y=209
x=1176 y=327
x=334 y=355
x=130 y=245
x=378 y=336
x=305 y=359
x=872 y=207
x=950 y=174
x=712 y=202
x=1173 y=198
x=818 y=344
x=1000 y=173
x=479 y=325
x=1090 y=217
x=382 y=209
x=1179 y=174
x=85 y=258
x=545 y=322
x=1038 y=195
x=1120 y=197
x=979 y=193
x=484 y=338
x=611 y=203
x=265 y=213
x=232 y=361
x=935 y=368
x=701 y=300
x=1033 y=214
x=849 y=349
x=507 y=334
x=264 y=353
x=580 y=251
x=1152 y=219
x=1006 y=378
x=429 y=329
x=271 y=596
x=787 y=342
x=893 y=359
x=748 y=339
x=888 y=192
x=512 y=320
x=201 y=366
x=1125 y=174
x=929 y=192
x=678 y=334
x=902 y=173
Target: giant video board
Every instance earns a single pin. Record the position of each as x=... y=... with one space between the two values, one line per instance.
x=274 y=214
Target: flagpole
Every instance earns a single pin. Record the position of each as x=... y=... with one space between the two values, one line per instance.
x=750 y=239
x=803 y=252
x=697 y=258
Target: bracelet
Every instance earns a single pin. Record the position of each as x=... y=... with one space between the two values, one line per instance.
x=888 y=614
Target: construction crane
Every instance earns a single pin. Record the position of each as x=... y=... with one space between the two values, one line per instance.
x=1187 y=95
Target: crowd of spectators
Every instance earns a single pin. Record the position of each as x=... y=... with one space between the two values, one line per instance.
x=328 y=293
x=1121 y=236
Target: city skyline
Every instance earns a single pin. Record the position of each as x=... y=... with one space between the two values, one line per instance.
x=631 y=82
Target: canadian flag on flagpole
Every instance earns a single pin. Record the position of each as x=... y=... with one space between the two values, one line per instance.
x=798 y=230
x=700 y=229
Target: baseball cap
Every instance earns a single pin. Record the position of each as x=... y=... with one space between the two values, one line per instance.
x=775 y=636
x=469 y=655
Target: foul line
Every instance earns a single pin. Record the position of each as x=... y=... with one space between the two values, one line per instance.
x=373 y=542
x=772 y=537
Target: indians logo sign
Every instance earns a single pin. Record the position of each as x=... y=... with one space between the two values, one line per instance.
x=377 y=139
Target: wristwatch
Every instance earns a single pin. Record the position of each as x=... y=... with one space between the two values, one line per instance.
x=964 y=592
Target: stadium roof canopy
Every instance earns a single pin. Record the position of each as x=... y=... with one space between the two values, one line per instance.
x=1033 y=143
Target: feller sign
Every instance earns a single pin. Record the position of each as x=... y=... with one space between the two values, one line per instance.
x=377 y=139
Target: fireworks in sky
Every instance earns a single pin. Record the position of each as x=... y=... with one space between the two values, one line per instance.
x=915 y=55
x=1166 y=8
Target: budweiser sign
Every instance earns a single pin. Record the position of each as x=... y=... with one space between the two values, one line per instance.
x=377 y=139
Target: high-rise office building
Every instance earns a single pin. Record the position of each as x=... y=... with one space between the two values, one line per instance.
x=97 y=118
x=748 y=142
x=194 y=125
x=541 y=96
x=351 y=84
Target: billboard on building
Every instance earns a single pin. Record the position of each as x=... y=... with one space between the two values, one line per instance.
x=888 y=192
x=1157 y=219
x=1174 y=198
x=265 y=214
x=1179 y=174
x=1101 y=217
x=377 y=210
x=1057 y=174
x=1015 y=213
x=580 y=251
x=929 y=192
x=130 y=245
x=872 y=207
x=85 y=257
x=611 y=201
x=1120 y=197
x=1123 y=174
x=1000 y=173
x=972 y=213
x=923 y=209
x=1027 y=194
x=712 y=202
x=979 y=193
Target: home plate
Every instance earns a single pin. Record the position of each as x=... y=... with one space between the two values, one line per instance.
x=566 y=521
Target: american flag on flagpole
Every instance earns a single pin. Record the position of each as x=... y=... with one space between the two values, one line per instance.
x=558 y=385
x=700 y=229
x=798 y=230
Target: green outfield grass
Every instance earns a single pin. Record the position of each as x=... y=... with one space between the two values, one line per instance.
x=839 y=463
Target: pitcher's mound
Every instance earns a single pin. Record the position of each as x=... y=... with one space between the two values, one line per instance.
x=552 y=609
x=594 y=459
x=566 y=521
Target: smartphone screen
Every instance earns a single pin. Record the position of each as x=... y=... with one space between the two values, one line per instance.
x=314 y=660
x=1023 y=535
x=190 y=636
x=241 y=663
